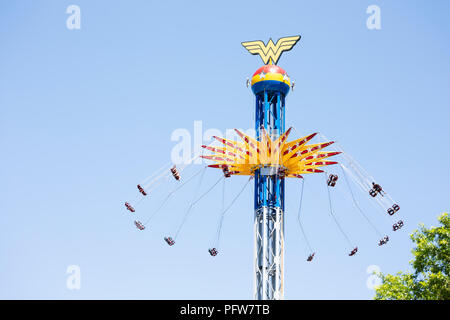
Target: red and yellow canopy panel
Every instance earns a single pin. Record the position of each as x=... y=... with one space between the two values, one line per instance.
x=290 y=159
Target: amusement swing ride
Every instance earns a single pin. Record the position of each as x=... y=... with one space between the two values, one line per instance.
x=268 y=159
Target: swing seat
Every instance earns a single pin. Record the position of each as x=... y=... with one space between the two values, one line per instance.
x=397 y=225
x=331 y=182
x=169 y=241
x=390 y=211
x=311 y=256
x=383 y=241
x=139 y=225
x=129 y=207
x=213 y=252
x=141 y=190
x=377 y=187
x=396 y=207
x=281 y=173
x=175 y=173
x=226 y=172
x=353 y=252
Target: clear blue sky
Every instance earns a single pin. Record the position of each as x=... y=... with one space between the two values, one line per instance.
x=87 y=114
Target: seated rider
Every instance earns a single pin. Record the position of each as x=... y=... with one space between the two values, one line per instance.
x=377 y=188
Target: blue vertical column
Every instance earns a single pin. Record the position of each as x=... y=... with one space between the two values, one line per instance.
x=269 y=203
x=270 y=114
x=270 y=84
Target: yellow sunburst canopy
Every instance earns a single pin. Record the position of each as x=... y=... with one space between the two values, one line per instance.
x=288 y=159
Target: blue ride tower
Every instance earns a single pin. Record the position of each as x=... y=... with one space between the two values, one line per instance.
x=270 y=84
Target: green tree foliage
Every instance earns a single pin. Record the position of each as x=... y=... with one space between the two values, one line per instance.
x=431 y=264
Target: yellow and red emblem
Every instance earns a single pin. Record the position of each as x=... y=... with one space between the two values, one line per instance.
x=270 y=53
x=288 y=159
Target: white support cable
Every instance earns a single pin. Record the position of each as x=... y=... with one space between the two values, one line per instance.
x=377 y=205
x=194 y=156
x=385 y=201
x=222 y=215
x=298 y=217
x=164 y=171
x=215 y=240
x=334 y=217
x=156 y=182
x=163 y=168
x=356 y=204
x=193 y=204
x=173 y=191
x=364 y=180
